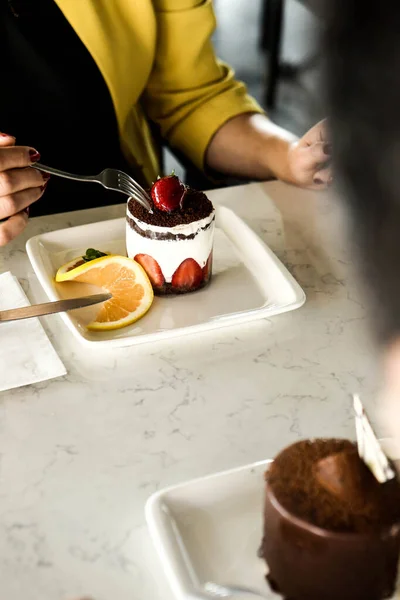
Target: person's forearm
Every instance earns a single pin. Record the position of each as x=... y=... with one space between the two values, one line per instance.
x=250 y=146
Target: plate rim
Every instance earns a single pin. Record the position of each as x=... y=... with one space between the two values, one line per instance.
x=159 y=500
x=216 y=475
x=154 y=508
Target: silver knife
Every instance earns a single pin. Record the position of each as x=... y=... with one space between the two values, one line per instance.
x=48 y=308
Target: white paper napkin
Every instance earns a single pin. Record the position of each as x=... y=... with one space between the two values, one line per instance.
x=26 y=353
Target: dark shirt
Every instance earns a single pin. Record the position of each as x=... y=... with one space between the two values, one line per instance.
x=54 y=98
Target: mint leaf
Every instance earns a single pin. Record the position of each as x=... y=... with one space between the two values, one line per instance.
x=92 y=254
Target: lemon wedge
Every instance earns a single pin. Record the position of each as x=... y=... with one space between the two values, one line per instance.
x=125 y=279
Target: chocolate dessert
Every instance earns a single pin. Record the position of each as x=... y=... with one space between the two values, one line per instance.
x=331 y=531
x=174 y=243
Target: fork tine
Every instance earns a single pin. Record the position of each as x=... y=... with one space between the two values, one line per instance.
x=124 y=183
x=126 y=186
x=132 y=189
x=125 y=177
x=131 y=192
x=136 y=184
x=136 y=196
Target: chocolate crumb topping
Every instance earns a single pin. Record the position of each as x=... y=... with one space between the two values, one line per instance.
x=196 y=206
x=295 y=478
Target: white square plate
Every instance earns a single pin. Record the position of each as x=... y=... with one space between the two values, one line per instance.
x=210 y=529
x=249 y=282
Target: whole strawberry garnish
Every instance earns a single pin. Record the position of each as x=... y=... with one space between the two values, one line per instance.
x=167 y=193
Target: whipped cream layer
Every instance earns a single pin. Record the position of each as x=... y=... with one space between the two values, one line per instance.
x=170 y=246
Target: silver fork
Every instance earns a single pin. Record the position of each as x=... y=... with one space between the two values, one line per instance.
x=111 y=179
x=212 y=590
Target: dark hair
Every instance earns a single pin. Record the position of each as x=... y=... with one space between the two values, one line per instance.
x=362 y=50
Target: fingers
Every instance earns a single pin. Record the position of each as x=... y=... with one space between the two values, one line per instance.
x=12 y=227
x=316 y=134
x=15 y=203
x=15 y=180
x=322 y=178
x=20 y=186
x=17 y=157
x=310 y=165
x=321 y=152
x=6 y=140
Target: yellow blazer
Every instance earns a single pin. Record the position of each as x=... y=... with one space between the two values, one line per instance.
x=158 y=63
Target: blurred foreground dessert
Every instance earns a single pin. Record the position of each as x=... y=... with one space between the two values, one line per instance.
x=331 y=531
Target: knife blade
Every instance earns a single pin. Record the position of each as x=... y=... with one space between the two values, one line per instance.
x=48 y=308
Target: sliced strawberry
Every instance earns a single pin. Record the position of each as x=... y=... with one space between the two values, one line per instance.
x=207 y=269
x=152 y=268
x=167 y=193
x=188 y=276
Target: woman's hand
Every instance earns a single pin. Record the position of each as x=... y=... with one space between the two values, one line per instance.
x=308 y=160
x=251 y=146
x=20 y=186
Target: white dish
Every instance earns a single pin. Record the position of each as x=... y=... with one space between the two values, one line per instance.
x=210 y=530
x=249 y=282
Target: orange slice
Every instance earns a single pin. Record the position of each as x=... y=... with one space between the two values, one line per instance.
x=125 y=279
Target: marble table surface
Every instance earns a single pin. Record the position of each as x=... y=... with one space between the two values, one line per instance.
x=80 y=455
